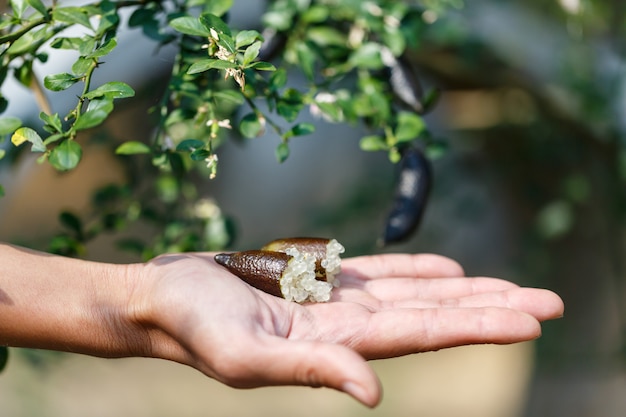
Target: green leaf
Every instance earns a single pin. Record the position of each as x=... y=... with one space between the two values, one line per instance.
x=9 y=125
x=282 y=152
x=72 y=222
x=190 y=145
x=410 y=126
x=250 y=126
x=278 y=79
x=246 y=37
x=59 y=82
x=251 y=52
x=112 y=89
x=262 y=66
x=4 y=351
x=189 y=26
x=104 y=49
x=90 y=118
x=26 y=134
x=29 y=42
x=18 y=7
x=211 y=21
x=132 y=148
x=200 y=154
x=232 y=96
x=39 y=6
x=2 y=153
x=66 y=43
x=81 y=66
x=66 y=156
x=51 y=121
x=306 y=58
x=367 y=57
x=217 y=7
x=325 y=36
x=72 y=15
x=373 y=143
x=207 y=64
x=300 y=129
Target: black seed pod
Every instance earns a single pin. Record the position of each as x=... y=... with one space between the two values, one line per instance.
x=411 y=196
x=404 y=83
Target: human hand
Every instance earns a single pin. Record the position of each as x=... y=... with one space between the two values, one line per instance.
x=195 y=312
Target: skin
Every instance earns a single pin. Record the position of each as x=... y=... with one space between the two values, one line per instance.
x=188 y=309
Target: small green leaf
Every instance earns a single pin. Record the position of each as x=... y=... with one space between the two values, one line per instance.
x=232 y=96
x=367 y=57
x=59 y=82
x=66 y=156
x=326 y=36
x=52 y=122
x=72 y=15
x=300 y=129
x=18 y=7
x=410 y=126
x=26 y=134
x=250 y=126
x=9 y=125
x=246 y=37
x=104 y=49
x=1 y=195
x=251 y=53
x=373 y=143
x=132 y=148
x=113 y=89
x=217 y=7
x=278 y=79
x=262 y=66
x=2 y=153
x=306 y=59
x=90 y=118
x=72 y=222
x=200 y=154
x=81 y=66
x=282 y=152
x=39 y=6
x=207 y=64
x=190 y=145
x=189 y=26
x=66 y=43
x=211 y=21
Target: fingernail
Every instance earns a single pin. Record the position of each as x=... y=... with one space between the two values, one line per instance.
x=357 y=392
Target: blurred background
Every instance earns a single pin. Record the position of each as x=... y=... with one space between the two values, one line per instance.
x=531 y=188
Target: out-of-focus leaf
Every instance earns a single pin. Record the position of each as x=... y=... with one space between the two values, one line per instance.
x=26 y=134
x=66 y=156
x=132 y=148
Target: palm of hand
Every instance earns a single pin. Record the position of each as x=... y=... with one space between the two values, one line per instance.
x=386 y=306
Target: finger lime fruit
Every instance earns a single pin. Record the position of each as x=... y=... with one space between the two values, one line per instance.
x=289 y=275
x=326 y=253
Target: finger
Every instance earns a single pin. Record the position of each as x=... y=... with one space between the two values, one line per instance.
x=539 y=303
x=393 y=333
x=394 y=289
x=402 y=265
x=298 y=362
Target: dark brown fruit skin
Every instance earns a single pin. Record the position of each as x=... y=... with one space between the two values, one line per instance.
x=259 y=268
x=411 y=197
x=310 y=245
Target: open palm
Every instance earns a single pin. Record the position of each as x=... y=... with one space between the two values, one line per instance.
x=386 y=306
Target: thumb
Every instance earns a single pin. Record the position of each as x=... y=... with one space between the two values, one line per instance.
x=317 y=364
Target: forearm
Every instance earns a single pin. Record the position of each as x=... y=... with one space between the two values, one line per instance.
x=52 y=302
